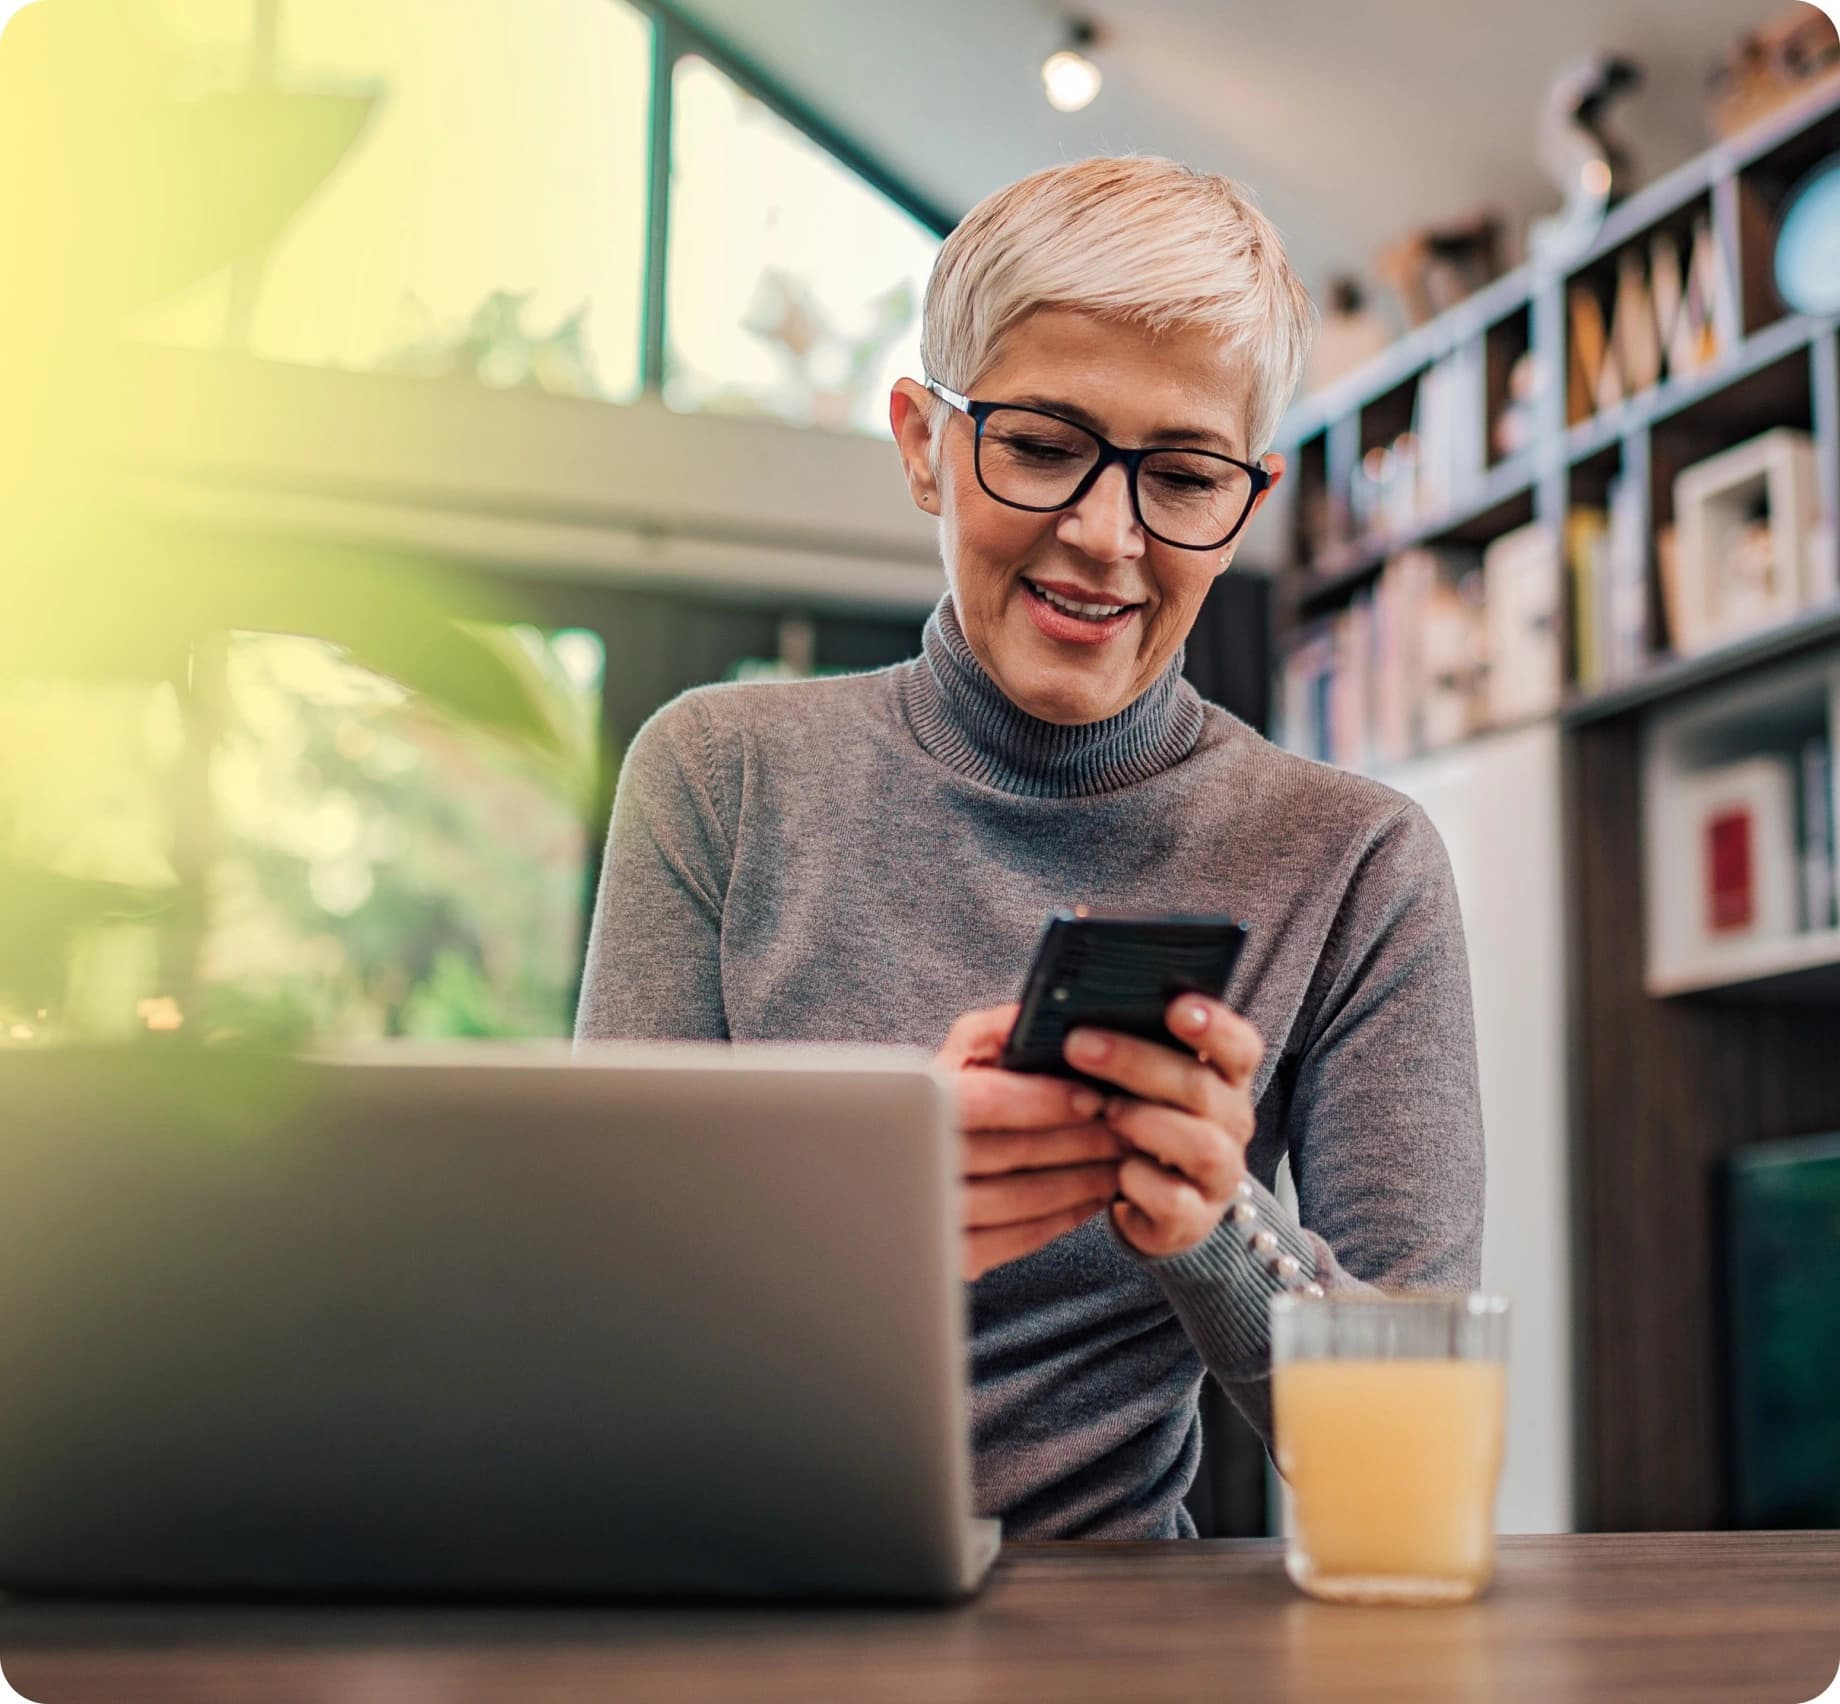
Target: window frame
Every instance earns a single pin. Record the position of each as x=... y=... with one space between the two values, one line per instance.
x=673 y=37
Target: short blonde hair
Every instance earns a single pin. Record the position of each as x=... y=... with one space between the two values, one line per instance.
x=1139 y=239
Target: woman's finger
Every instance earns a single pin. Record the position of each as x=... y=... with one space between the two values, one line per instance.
x=1145 y=1234
x=1020 y=1100
x=1210 y=1156
x=977 y=1037
x=987 y=1153
x=987 y=1248
x=1152 y=1070
x=1170 y=1211
x=1219 y=1034
x=1016 y=1197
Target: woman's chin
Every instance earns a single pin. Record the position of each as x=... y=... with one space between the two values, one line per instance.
x=1048 y=694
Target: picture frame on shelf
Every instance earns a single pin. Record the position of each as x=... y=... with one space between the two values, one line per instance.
x=1736 y=824
x=1746 y=551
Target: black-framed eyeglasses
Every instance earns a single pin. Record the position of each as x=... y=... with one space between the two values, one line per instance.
x=1031 y=458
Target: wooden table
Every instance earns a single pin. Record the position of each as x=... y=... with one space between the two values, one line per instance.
x=1753 y=1618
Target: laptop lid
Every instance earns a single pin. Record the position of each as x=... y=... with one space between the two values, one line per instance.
x=652 y=1318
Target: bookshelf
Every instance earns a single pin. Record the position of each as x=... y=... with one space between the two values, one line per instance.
x=1752 y=368
x=1677 y=1051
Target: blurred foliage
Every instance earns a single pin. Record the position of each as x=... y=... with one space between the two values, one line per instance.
x=497 y=348
x=380 y=869
x=122 y=180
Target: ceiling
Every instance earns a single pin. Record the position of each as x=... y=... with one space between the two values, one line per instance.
x=1352 y=119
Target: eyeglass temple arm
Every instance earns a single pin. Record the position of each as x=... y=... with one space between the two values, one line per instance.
x=962 y=403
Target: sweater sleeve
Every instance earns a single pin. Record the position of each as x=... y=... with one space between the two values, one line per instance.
x=654 y=966
x=1379 y=1112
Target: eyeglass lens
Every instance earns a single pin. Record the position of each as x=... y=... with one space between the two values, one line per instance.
x=1185 y=496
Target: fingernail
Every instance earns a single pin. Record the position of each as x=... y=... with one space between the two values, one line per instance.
x=1192 y=1015
x=1086 y=1102
x=1088 y=1045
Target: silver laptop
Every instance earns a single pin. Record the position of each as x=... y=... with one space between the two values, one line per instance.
x=650 y=1320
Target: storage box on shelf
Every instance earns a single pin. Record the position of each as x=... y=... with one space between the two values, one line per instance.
x=1738 y=823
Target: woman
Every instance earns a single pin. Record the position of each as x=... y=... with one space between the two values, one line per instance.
x=1108 y=346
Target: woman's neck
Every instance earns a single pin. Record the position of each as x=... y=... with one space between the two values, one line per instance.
x=962 y=717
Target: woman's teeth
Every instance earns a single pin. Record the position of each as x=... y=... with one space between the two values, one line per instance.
x=1085 y=611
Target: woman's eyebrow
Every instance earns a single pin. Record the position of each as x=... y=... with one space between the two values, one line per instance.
x=1196 y=436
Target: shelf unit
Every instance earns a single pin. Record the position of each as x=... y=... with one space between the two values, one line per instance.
x=1774 y=368
x=1669 y=1068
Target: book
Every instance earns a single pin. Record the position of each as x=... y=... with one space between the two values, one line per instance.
x=1702 y=328
x=1392 y=703
x=1667 y=576
x=1308 y=665
x=1622 y=585
x=1664 y=287
x=1587 y=353
x=1611 y=388
x=1585 y=530
x=1448 y=433
x=1350 y=692
x=1523 y=586
x=1638 y=348
x=1816 y=812
x=1395 y=672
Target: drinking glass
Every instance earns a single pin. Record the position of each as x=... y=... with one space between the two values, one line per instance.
x=1388 y=1413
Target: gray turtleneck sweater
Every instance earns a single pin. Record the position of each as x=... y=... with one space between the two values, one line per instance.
x=863 y=858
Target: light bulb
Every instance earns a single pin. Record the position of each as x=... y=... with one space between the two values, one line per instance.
x=1070 y=79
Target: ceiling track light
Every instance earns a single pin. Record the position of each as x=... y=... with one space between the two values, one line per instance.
x=1068 y=77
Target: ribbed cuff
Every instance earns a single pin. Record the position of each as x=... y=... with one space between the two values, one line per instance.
x=1220 y=1289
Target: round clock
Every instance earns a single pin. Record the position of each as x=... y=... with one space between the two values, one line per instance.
x=1808 y=243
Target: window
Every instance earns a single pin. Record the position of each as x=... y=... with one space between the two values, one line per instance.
x=490 y=218
x=381 y=870
x=361 y=863
x=794 y=288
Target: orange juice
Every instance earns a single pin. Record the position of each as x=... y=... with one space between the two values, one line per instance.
x=1392 y=1466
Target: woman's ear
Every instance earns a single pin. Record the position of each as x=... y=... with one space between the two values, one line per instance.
x=909 y=406
x=1274 y=464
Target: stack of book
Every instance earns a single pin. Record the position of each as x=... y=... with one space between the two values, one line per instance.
x=1671 y=312
x=1524 y=600
x=1608 y=557
x=1398 y=672
x=1424 y=471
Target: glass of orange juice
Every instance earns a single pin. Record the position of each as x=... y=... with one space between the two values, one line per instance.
x=1387 y=1417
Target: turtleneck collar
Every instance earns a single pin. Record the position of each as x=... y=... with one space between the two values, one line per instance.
x=962 y=717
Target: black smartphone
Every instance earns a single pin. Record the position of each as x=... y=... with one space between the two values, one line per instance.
x=1115 y=971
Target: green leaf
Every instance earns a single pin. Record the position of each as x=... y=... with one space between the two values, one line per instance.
x=114 y=192
x=125 y=595
x=40 y=911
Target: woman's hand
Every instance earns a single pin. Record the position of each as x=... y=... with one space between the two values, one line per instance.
x=1188 y=1118
x=1036 y=1158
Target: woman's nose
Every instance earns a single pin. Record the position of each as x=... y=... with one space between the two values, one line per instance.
x=1102 y=525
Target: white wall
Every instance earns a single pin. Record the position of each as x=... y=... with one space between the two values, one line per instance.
x=1496 y=803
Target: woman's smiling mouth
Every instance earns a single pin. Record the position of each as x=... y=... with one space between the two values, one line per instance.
x=1070 y=613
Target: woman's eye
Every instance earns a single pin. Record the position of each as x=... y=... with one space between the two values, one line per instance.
x=1185 y=483
x=1037 y=449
